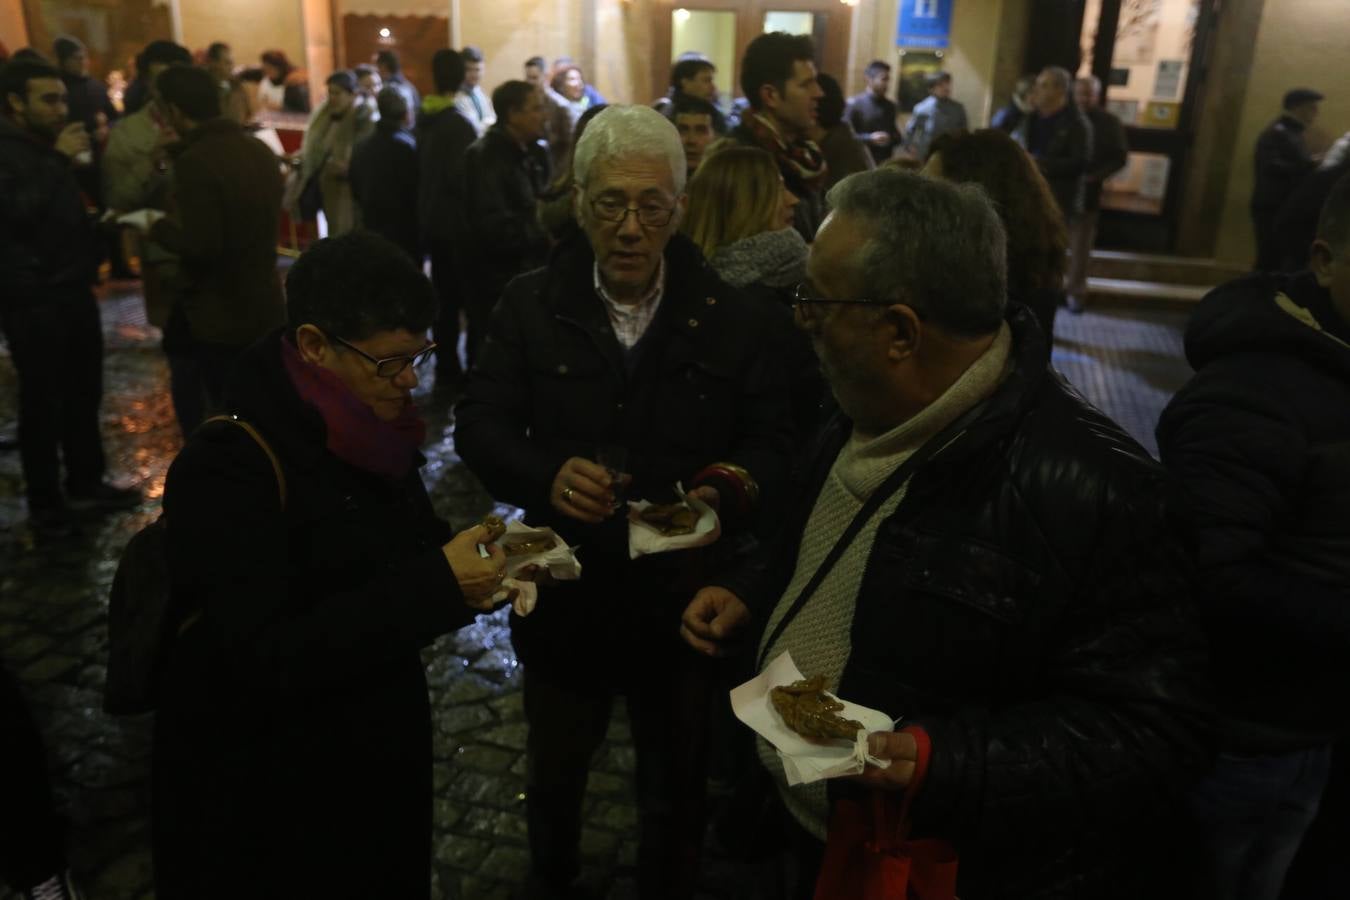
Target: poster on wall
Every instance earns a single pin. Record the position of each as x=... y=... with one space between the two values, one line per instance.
x=924 y=24
x=915 y=67
x=1168 y=83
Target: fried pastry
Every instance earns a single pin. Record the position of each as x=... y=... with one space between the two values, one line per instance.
x=812 y=713
x=671 y=519
x=528 y=544
x=495 y=528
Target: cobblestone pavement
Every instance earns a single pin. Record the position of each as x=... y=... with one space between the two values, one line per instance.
x=53 y=635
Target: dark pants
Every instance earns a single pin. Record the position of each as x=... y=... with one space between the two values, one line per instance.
x=667 y=706
x=57 y=347
x=31 y=834
x=480 y=299
x=445 y=279
x=1252 y=812
x=198 y=373
x=1268 y=253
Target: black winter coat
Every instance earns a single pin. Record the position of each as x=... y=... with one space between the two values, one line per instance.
x=292 y=751
x=502 y=184
x=384 y=180
x=442 y=139
x=1282 y=161
x=1063 y=155
x=1296 y=225
x=553 y=382
x=1260 y=441
x=48 y=242
x=1028 y=606
x=1110 y=153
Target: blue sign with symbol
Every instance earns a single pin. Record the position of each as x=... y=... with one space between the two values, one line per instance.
x=924 y=23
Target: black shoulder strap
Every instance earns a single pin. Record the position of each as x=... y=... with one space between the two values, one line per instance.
x=878 y=498
x=262 y=445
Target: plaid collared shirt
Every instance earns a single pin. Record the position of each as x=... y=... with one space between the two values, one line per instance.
x=631 y=320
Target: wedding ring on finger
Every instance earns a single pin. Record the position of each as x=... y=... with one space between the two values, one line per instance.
x=567 y=493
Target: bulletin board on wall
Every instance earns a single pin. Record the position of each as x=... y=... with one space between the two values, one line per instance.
x=915 y=66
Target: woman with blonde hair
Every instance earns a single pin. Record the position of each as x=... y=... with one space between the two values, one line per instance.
x=740 y=215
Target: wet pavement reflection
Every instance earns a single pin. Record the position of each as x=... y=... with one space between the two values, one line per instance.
x=53 y=601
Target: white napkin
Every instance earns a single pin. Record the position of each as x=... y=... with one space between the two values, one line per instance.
x=805 y=761
x=559 y=560
x=141 y=219
x=643 y=539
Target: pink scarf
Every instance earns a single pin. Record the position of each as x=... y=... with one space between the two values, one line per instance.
x=356 y=435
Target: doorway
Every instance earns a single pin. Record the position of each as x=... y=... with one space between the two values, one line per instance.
x=1149 y=55
x=722 y=29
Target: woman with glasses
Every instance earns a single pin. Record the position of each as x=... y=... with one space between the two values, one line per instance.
x=741 y=216
x=292 y=748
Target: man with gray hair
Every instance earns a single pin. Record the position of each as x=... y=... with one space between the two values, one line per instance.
x=621 y=369
x=1110 y=152
x=1059 y=137
x=978 y=553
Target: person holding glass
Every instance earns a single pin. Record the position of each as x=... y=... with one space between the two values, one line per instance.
x=626 y=339
x=308 y=571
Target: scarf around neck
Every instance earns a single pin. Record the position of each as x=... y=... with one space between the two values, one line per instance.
x=354 y=434
x=802 y=158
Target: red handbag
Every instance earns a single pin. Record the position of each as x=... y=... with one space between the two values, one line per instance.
x=870 y=857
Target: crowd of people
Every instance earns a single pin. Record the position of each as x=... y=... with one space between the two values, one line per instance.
x=1109 y=677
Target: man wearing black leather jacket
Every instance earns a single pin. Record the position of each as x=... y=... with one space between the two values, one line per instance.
x=1012 y=590
x=505 y=171
x=1260 y=441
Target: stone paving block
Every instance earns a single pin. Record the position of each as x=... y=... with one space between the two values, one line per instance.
x=462 y=718
x=468 y=688
x=614 y=816
x=473 y=888
x=447 y=813
x=509 y=707
x=506 y=864
x=499 y=791
x=27 y=648
x=496 y=825
x=461 y=852
x=482 y=758
x=511 y=735
x=49 y=668
x=606 y=785
x=596 y=844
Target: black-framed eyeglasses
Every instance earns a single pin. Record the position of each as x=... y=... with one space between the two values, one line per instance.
x=391 y=366
x=649 y=215
x=802 y=297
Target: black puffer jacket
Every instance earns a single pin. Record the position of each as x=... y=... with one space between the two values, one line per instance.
x=294 y=726
x=1027 y=605
x=443 y=136
x=48 y=243
x=553 y=382
x=1260 y=440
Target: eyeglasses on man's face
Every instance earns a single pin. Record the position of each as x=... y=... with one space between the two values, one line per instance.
x=391 y=366
x=649 y=214
x=802 y=296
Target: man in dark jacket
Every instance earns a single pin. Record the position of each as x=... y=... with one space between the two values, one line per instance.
x=384 y=176
x=390 y=70
x=692 y=78
x=443 y=136
x=227 y=208
x=1259 y=440
x=1059 y=137
x=1109 y=155
x=1012 y=589
x=778 y=75
x=505 y=171
x=627 y=339
x=48 y=262
x=1282 y=162
x=872 y=114
x=89 y=104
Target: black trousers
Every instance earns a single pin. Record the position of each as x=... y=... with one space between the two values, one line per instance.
x=57 y=347
x=445 y=279
x=198 y=373
x=1268 y=252
x=667 y=709
x=31 y=834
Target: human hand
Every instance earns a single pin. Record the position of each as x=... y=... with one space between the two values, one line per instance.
x=712 y=620
x=479 y=577
x=879 y=139
x=583 y=490
x=901 y=749
x=708 y=494
x=73 y=140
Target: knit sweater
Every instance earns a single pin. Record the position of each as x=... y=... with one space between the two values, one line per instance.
x=818 y=637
